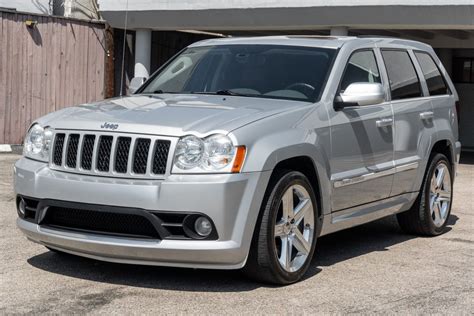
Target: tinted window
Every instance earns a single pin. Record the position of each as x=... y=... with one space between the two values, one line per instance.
x=404 y=82
x=265 y=71
x=433 y=77
x=362 y=67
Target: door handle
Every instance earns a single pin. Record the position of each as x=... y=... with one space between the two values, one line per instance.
x=428 y=115
x=384 y=122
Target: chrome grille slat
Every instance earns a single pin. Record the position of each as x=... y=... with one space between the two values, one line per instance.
x=79 y=150
x=112 y=154
x=130 y=155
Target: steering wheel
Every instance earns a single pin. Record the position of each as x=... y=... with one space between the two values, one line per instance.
x=302 y=87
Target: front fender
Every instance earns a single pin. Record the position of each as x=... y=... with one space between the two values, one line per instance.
x=270 y=142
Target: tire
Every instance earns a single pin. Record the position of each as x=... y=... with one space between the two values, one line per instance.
x=267 y=249
x=425 y=217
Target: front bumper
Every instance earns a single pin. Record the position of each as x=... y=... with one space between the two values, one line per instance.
x=232 y=201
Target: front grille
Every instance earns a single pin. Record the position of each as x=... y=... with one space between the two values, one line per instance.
x=101 y=222
x=103 y=157
x=58 y=149
x=141 y=155
x=160 y=156
x=71 y=155
x=121 y=156
x=87 y=152
x=111 y=155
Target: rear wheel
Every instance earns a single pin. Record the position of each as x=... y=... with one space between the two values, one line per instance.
x=285 y=237
x=429 y=215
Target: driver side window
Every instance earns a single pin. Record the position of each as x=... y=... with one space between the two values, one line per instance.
x=362 y=67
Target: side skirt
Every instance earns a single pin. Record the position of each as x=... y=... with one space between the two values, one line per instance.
x=367 y=213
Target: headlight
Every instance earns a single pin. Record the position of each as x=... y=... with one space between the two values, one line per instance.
x=189 y=152
x=215 y=153
x=38 y=143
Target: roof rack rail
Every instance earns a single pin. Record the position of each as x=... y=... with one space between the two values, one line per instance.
x=311 y=36
x=377 y=36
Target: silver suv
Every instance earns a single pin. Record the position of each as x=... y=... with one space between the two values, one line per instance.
x=242 y=152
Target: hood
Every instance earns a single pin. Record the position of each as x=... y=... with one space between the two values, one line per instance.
x=168 y=115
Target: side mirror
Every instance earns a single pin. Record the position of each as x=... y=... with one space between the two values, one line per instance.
x=135 y=83
x=362 y=93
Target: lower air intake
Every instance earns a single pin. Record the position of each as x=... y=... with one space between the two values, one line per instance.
x=100 y=222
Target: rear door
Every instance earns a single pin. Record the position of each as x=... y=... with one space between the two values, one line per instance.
x=362 y=140
x=413 y=118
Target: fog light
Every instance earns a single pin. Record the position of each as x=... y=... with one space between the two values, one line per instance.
x=22 y=207
x=203 y=226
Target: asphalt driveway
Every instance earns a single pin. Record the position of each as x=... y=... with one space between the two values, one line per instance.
x=374 y=268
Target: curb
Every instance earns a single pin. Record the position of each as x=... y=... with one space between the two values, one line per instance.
x=11 y=149
x=5 y=148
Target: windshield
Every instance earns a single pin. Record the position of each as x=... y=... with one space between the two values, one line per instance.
x=267 y=71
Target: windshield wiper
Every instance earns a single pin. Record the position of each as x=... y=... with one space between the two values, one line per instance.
x=159 y=91
x=221 y=92
x=228 y=92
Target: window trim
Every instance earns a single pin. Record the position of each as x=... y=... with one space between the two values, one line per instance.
x=371 y=49
x=382 y=49
x=417 y=51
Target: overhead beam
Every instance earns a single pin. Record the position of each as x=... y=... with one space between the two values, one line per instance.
x=417 y=33
x=274 y=32
x=417 y=17
x=388 y=33
x=457 y=34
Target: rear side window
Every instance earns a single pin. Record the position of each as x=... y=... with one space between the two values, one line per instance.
x=362 y=67
x=433 y=77
x=404 y=82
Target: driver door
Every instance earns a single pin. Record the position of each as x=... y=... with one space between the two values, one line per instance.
x=362 y=141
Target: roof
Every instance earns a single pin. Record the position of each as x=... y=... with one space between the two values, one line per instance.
x=313 y=41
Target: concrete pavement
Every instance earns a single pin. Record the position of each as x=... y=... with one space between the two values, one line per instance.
x=374 y=268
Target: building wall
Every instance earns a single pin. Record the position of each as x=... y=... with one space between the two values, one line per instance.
x=78 y=9
x=466 y=119
x=33 y=6
x=466 y=105
x=58 y=63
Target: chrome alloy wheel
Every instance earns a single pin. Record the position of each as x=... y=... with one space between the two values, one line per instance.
x=294 y=228
x=440 y=194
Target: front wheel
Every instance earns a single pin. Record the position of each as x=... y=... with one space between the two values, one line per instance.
x=429 y=215
x=285 y=236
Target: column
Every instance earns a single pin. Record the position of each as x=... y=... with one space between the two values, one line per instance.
x=142 y=53
x=339 y=31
